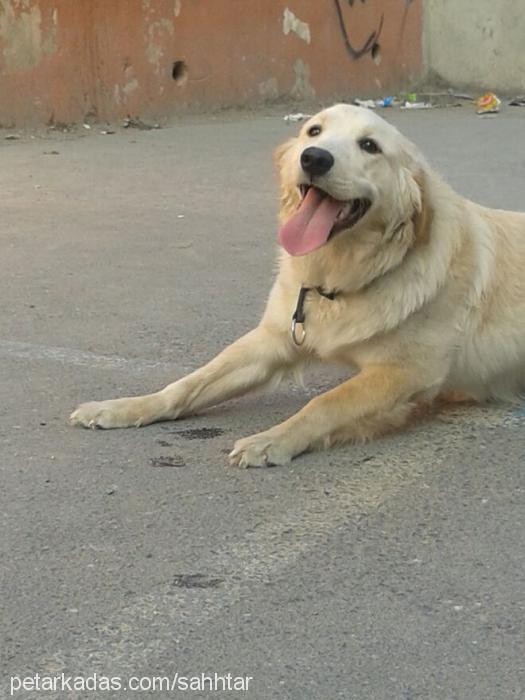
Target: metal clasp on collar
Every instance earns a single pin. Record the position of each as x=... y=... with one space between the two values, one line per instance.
x=293 y=329
x=298 y=314
x=298 y=317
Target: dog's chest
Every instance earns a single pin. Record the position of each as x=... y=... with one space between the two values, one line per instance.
x=324 y=327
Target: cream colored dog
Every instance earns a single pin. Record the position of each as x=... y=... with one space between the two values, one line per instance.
x=384 y=268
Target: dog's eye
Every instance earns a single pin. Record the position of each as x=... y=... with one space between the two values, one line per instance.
x=314 y=130
x=369 y=145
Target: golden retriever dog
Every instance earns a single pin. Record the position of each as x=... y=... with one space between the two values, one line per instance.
x=383 y=268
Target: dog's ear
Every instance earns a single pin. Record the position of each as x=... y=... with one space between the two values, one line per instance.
x=281 y=151
x=424 y=213
x=289 y=199
x=414 y=213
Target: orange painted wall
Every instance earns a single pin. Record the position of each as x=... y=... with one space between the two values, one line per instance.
x=63 y=59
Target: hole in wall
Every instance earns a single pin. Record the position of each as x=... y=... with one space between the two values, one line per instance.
x=376 y=53
x=179 y=73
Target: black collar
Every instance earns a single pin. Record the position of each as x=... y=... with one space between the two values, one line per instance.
x=298 y=316
x=329 y=295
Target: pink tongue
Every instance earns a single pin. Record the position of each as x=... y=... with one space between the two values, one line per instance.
x=310 y=227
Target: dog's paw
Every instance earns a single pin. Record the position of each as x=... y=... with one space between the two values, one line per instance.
x=115 y=413
x=261 y=450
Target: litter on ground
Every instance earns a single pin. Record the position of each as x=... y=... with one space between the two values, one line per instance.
x=296 y=117
x=136 y=123
x=417 y=105
x=489 y=103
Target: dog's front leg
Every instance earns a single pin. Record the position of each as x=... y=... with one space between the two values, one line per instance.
x=250 y=362
x=374 y=401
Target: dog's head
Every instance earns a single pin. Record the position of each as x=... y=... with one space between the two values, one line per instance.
x=346 y=169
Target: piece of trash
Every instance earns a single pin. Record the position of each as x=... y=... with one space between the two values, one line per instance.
x=61 y=126
x=11 y=137
x=385 y=102
x=488 y=103
x=136 y=123
x=408 y=96
x=417 y=105
x=86 y=126
x=369 y=104
x=460 y=95
x=518 y=101
x=296 y=117
x=107 y=132
x=180 y=216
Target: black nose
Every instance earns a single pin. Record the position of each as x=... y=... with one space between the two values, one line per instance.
x=316 y=161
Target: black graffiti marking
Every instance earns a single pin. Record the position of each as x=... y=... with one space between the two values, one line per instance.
x=369 y=43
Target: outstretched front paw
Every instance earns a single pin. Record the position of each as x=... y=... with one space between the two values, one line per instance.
x=115 y=413
x=261 y=450
x=98 y=414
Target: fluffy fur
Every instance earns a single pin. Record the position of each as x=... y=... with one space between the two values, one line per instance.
x=430 y=299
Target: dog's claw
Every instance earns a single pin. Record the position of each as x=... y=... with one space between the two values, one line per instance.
x=260 y=450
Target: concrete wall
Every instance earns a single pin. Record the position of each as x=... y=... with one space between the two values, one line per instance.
x=476 y=43
x=61 y=60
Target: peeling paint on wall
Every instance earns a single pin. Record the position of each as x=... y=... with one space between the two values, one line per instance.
x=302 y=89
x=21 y=32
x=292 y=24
x=269 y=89
x=116 y=94
x=177 y=7
x=130 y=86
x=154 y=50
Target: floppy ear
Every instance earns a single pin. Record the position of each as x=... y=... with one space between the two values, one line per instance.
x=415 y=213
x=281 y=151
x=289 y=199
x=424 y=214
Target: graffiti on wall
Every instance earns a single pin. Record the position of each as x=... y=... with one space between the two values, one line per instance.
x=371 y=44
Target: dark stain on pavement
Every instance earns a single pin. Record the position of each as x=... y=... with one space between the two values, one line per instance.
x=196 y=581
x=173 y=461
x=198 y=433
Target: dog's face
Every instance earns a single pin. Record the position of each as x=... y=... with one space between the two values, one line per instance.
x=348 y=167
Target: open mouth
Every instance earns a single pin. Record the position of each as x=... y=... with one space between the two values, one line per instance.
x=318 y=217
x=349 y=214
